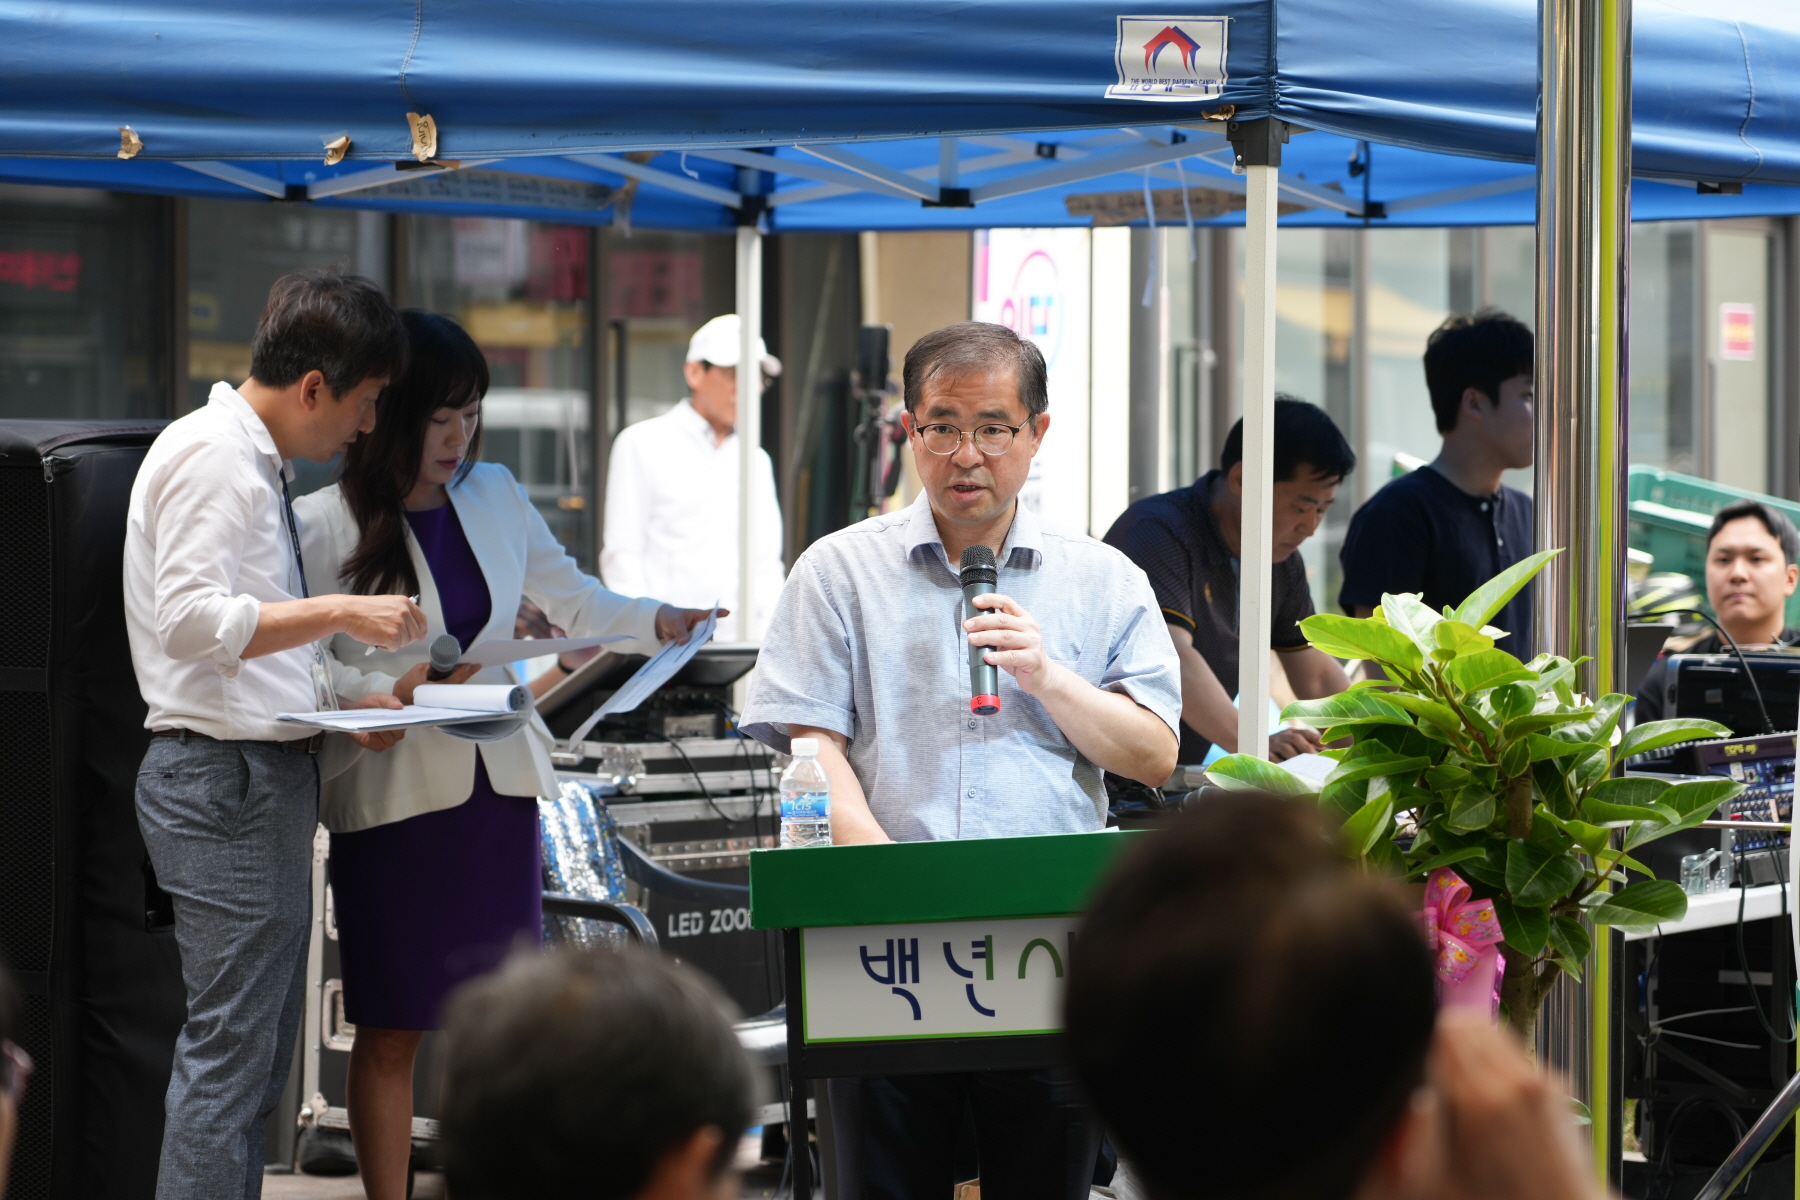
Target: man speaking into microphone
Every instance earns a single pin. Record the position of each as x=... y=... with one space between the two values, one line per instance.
x=869 y=652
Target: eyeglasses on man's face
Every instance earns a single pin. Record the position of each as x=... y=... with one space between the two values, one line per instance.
x=993 y=439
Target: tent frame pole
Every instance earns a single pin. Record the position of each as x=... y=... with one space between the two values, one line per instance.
x=1258 y=146
x=749 y=419
x=1582 y=375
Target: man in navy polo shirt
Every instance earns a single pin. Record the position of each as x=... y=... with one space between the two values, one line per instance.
x=1448 y=527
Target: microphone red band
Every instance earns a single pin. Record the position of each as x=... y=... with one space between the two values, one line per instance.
x=985 y=706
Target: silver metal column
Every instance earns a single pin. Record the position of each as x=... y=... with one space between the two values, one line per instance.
x=1583 y=265
x=749 y=422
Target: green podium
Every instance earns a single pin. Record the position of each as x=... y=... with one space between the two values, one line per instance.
x=924 y=957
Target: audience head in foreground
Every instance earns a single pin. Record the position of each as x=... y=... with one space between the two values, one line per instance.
x=1284 y=1042
x=605 y=1075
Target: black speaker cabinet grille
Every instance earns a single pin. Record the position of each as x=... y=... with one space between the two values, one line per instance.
x=27 y=850
x=25 y=581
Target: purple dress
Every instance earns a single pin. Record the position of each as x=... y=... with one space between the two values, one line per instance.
x=426 y=903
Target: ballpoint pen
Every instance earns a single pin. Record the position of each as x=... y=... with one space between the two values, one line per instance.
x=370 y=650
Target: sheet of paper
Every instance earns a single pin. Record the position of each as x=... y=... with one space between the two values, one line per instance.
x=371 y=720
x=497 y=651
x=653 y=674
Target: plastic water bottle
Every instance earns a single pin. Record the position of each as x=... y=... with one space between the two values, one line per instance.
x=805 y=798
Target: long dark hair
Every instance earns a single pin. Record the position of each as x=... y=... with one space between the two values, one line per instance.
x=446 y=369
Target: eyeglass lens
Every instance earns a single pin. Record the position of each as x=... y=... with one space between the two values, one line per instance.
x=990 y=439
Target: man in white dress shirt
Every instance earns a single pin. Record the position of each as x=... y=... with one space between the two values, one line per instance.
x=224 y=636
x=672 y=495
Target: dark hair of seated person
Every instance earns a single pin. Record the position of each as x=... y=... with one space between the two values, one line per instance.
x=1248 y=1014
x=575 y=1073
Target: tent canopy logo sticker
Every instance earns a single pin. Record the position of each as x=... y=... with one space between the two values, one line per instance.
x=1170 y=36
x=1194 y=71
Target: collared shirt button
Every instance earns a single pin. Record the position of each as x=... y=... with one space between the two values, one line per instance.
x=972 y=792
x=972 y=722
x=1484 y=506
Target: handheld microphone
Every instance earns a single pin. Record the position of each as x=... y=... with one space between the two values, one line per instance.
x=979 y=576
x=445 y=651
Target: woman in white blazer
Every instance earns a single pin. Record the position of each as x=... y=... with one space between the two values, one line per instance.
x=435 y=866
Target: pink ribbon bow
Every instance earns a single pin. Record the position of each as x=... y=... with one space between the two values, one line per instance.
x=1465 y=936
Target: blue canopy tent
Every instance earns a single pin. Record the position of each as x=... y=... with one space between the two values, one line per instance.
x=543 y=101
x=884 y=117
x=695 y=191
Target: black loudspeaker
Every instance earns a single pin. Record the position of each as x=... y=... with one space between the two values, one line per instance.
x=103 y=995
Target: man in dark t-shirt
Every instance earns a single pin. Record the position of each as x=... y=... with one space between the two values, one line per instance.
x=1187 y=543
x=1447 y=528
x=1752 y=554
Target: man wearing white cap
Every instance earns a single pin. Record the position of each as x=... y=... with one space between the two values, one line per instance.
x=672 y=495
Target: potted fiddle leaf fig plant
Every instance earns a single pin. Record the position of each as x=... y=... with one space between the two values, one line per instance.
x=1466 y=758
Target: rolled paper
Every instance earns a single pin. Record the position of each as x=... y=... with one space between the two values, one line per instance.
x=1464 y=935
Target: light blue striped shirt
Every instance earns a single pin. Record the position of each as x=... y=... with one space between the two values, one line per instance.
x=867 y=640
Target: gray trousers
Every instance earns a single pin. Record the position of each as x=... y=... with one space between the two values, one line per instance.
x=229 y=827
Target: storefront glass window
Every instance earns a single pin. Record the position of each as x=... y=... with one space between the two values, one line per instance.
x=84 y=304
x=521 y=290
x=656 y=301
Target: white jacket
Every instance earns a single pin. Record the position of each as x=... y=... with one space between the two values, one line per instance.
x=430 y=770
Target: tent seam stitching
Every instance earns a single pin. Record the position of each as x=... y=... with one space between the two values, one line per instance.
x=1750 y=104
x=418 y=28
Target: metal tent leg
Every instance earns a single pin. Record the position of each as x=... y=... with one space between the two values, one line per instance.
x=1583 y=277
x=1258 y=146
x=749 y=421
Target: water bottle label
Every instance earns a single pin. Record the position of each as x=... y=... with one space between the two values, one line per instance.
x=809 y=806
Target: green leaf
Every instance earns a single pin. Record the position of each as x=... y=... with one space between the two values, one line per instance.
x=1426 y=709
x=1370 y=766
x=1455 y=639
x=1368 y=825
x=1243 y=772
x=1353 y=637
x=1699 y=798
x=1527 y=927
x=1545 y=748
x=1470 y=809
x=1448 y=858
x=1619 y=816
x=1512 y=700
x=1538 y=722
x=1553 y=789
x=1446 y=778
x=1606 y=717
x=1654 y=735
x=1683 y=806
x=1648 y=902
x=1622 y=801
x=1408 y=614
x=1591 y=838
x=1489 y=869
x=1535 y=875
x=1343 y=708
x=1570 y=939
x=1591 y=770
x=1488 y=599
x=1485 y=669
x=1515 y=760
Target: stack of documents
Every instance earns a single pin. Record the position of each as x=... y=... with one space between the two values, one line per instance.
x=477 y=712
